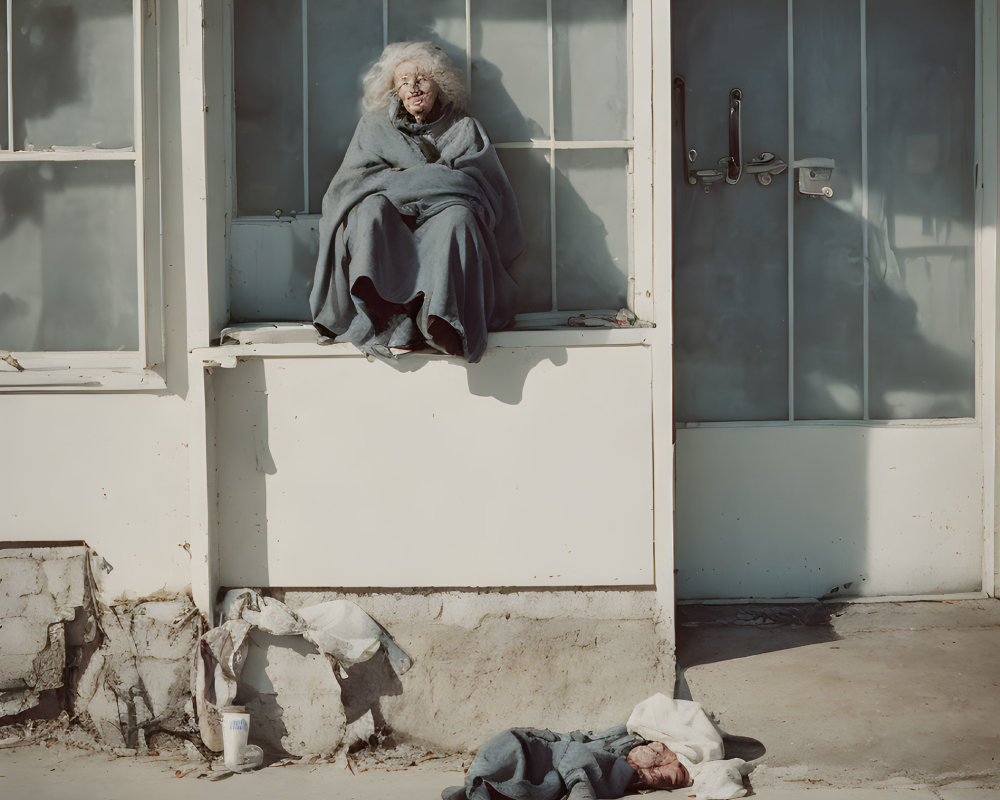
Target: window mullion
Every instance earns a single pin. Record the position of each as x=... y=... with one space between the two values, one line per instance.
x=790 y=199
x=137 y=145
x=552 y=159
x=10 y=75
x=865 y=368
x=468 y=48
x=306 y=202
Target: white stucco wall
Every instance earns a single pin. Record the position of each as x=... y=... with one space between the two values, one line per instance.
x=532 y=468
x=108 y=469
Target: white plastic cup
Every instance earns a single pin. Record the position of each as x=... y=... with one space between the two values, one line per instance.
x=235 y=729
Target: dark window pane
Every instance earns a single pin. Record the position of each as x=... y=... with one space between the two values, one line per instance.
x=590 y=53
x=345 y=39
x=268 y=78
x=731 y=243
x=73 y=74
x=68 y=256
x=529 y=174
x=510 y=69
x=921 y=78
x=829 y=269
x=592 y=236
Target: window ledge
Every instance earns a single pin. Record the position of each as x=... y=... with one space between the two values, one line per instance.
x=82 y=380
x=299 y=340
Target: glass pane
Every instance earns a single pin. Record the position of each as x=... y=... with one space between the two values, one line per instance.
x=268 y=106
x=345 y=39
x=510 y=67
x=592 y=235
x=73 y=79
x=829 y=270
x=731 y=242
x=68 y=256
x=529 y=174
x=921 y=74
x=590 y=56
x=4 y=119
x=439 y=21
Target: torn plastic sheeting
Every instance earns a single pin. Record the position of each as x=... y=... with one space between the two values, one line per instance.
x=215 y=671
x=266 y=613
x=339 y=628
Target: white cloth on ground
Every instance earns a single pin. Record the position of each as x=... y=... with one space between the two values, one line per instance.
x=684 y=727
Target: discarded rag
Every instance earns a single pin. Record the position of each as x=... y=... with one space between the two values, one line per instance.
x=418 y=229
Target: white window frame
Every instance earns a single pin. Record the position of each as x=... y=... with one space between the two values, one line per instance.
x=141 y=369
x=534 y=326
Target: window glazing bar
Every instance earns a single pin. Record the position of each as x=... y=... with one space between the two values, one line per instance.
x=10 y=75
x=468 y=48
x=70 y=154
x=552 y=159
x=790 y=23
x=863 y=14
x=137 y=146
x=305 y=106
x=385 y=23
x=583 y=144
x=629 y=92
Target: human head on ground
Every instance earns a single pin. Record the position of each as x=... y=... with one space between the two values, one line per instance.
x=658 y=766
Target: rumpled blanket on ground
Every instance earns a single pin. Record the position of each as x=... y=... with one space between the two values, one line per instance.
x=533 y=764
x=419 y=225
x=537 y=764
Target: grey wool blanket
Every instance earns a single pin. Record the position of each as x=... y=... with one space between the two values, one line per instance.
x=538 y=764
x=418 y=229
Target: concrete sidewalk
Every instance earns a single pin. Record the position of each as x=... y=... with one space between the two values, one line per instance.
x=892 y=695
x=854 y=702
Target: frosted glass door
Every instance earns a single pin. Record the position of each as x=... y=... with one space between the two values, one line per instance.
x=852 y=299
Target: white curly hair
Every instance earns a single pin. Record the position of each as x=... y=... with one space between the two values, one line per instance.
x=432 y=61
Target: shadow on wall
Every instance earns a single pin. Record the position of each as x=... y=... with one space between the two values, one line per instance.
x=501 y=374
x=361 y=692
x=242 y=425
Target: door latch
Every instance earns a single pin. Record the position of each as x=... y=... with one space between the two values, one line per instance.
x=813 y=176
x=730 y=167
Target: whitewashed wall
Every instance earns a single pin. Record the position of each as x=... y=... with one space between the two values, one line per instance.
x=532 y=468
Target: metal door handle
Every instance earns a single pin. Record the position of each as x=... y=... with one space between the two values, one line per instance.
x=735 y=169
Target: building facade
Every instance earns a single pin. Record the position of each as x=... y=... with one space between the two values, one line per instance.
x=755 y=355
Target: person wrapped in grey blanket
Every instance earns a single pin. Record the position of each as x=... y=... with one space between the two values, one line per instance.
x=420 y=223
x=538 y=764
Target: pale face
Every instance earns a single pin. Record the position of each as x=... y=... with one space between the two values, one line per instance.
x=658 y=766
x=418 y=91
